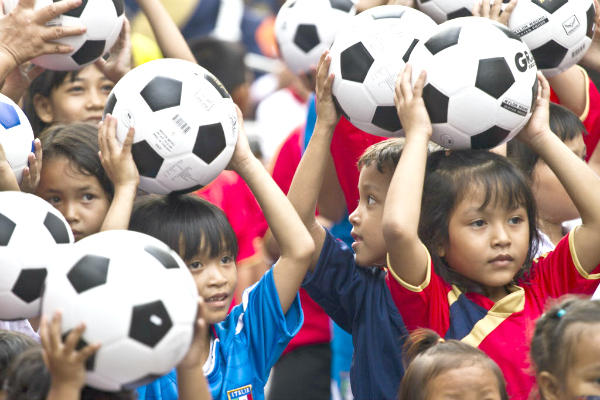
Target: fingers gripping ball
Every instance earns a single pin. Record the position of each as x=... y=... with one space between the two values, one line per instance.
x=137 y=299
x=103 y=20
x=185 y=124
x=481 y=82
x=306 y=28
x=366 y=57
x=30 y=229
x=443 y=10
x=16 y=135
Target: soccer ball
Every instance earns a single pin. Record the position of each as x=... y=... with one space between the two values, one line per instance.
x=136 y=297
x=481 y=82
x=558 y=32
x=185 y=124
x=30 y=228
x=16 y=135
x=367 y=56
x=306 y=28
x=103 y=20
x=443 y=10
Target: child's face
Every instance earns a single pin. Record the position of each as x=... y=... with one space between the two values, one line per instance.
x=471 y=382
x=488 y=245
x=82 y=99
x=583 y=374
x=215 y=279
x=554 y=204
x=79 y=197
x=367 y=233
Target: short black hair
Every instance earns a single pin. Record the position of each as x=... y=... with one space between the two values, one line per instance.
x=185 y=220
x=11 y=345
x=89 y=393
x=27 y=377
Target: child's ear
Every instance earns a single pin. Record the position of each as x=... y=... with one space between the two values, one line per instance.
x=43 y=108
x=548 y=386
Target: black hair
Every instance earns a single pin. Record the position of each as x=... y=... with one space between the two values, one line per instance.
x=27 y=377
x=43 y=85
x=186 y=223
x=89 y=393
x=450 y=176
x=224 y=59
x=78 y=142
x=11 y=345
x=385 y=155
x=427 y=355
x=552 y=333
x=563 y=122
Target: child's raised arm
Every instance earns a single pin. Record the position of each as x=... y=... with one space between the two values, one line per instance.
x=402 y=209
x=294 y=241
x=580 y=182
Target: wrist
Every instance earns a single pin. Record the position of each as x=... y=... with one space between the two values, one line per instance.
x=64 y=390
x=245 y=164
x=326 y=126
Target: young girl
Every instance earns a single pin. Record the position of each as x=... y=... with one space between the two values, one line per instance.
x=462 y=238
x=565 y=350
x=438 y=369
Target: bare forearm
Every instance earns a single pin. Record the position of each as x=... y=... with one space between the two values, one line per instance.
x=63 y=392
x=571 y=88
x=192 y=384
x=119 y=213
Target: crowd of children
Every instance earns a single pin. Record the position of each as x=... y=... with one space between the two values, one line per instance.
x=464 y=274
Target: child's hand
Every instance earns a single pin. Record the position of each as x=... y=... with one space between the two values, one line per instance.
x=117 y=161
x=493 y=10
x=119 y=60
x=18 y=81
x=410 y=105
x=31 y=174
x=539 y=123
x=196 y=355
x=8 y=180
x=242 y=152
x=24 y=34
x=326 y=111
x=65 y=361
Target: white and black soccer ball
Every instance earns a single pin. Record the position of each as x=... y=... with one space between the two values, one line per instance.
x=103 y=20
x=481 y=82
x=16 y=135
x=30 y=229
x=306 y=28
x=558 y=32
x=443 y=10
x=185 y=124
x=367 y=56
x=136 y=297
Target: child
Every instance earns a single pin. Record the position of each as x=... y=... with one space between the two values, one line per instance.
x=11 y=345
x=352 y=290
x=462 y=259
x=565 y=350
x=237 y=353
x=439 y=369
x=554 y=206
x=27 y=377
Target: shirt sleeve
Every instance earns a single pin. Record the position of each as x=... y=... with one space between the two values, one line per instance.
x=423 y=306
x=267 y=330
x=559 y=272
x=164 y=388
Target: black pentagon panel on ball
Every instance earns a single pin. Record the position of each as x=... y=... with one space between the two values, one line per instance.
x=90 y=363
x=342 y=5
x=89 y=51
x=57 y=228
x=550 y=5
x=29 y=284
x=7 y=227
x=150 y=323
x=443 y=39
x=119 y=7
x=89 y=272
x=590 y=13
x=110 y=104
x=339 y=108
x=162 y=92
x=382 y=13
x=549 y=55
x=509 y=34
x=147 y=160
x=436 y=104
x=165 y=259
x=210 y=142
x=386 y=117
x=489 y=138
x=217 y=85
x=355 y=62
x=306 y=37
x=77 y=11
x=461 y=12
x=408 y=52
x=494 y=76
x=140 y=382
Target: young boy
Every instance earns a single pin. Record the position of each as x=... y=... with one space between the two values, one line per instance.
x=352 y=288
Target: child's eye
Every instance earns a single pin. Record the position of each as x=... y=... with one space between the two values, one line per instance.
x=478 y=223
x=107 y=87
x=195 y=265
x=53 y=200
x=88 y=197
x=226 y=259
x=515 y=220
x=370 y=200
x=75 y=89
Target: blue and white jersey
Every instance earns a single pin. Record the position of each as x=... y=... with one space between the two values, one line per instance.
x=247 y=344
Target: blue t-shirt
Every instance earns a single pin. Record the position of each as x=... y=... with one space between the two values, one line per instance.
x=247 y=344
x=359 y=301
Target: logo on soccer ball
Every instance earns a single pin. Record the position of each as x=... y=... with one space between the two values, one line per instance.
x=243 y=393
x=571 y=24
x=524 y=60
